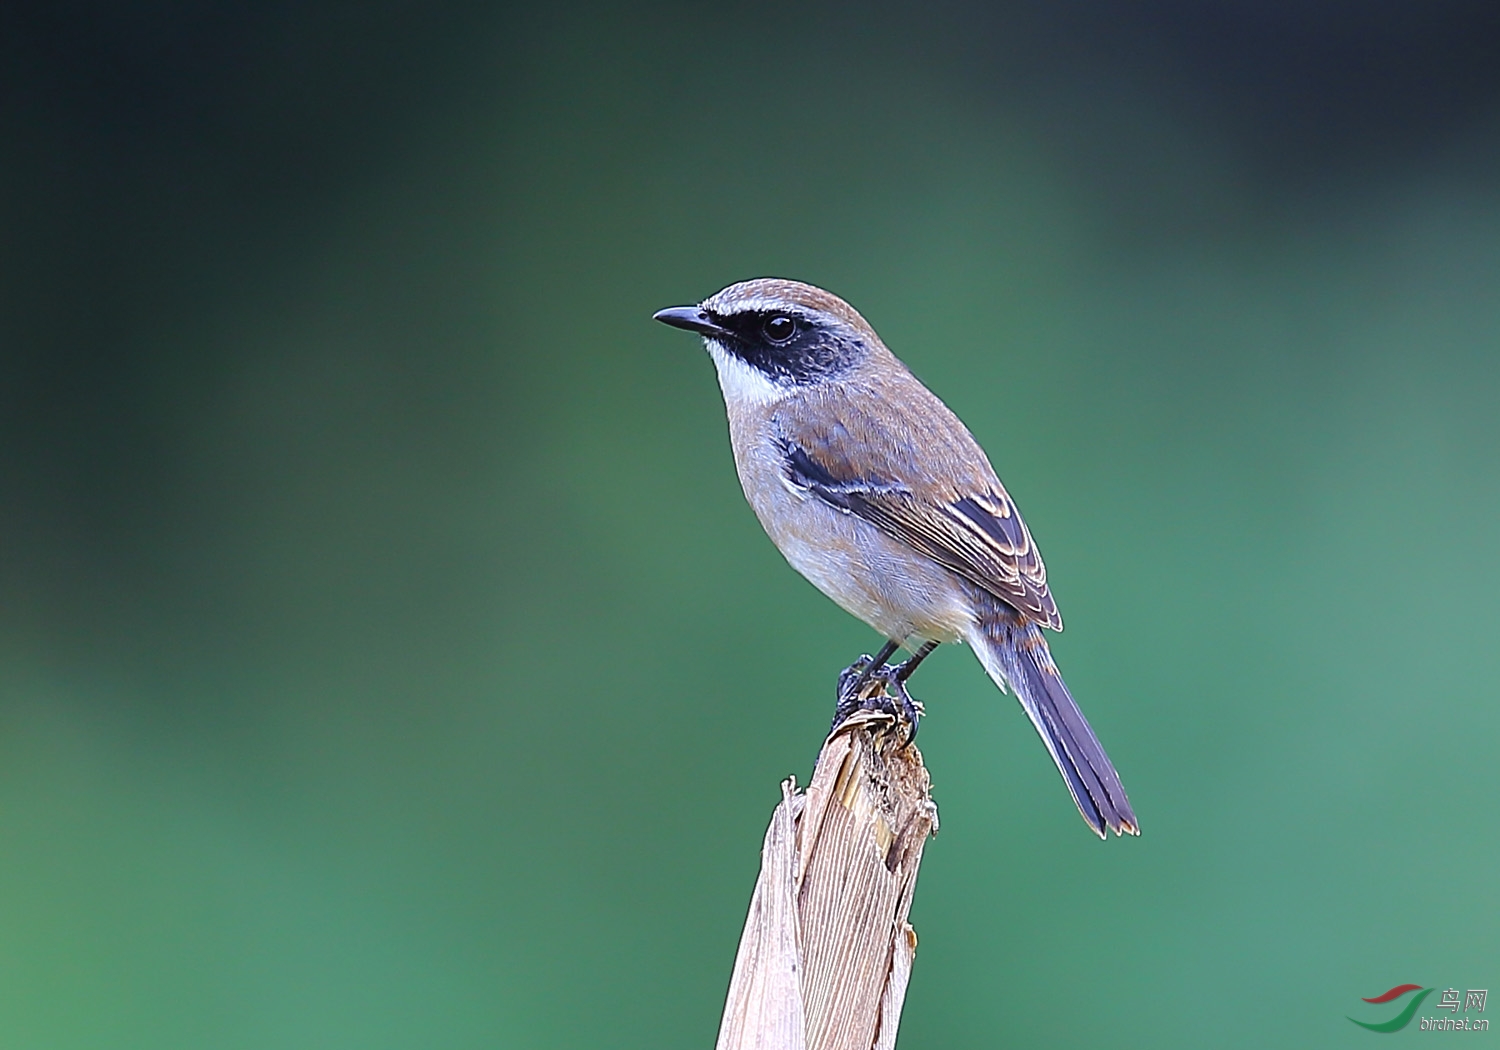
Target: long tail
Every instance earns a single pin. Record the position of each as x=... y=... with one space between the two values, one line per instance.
x=1015 y=653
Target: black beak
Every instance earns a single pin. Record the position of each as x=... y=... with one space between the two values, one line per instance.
x=691 y=319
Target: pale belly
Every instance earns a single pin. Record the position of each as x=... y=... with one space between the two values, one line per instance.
x=899 y=592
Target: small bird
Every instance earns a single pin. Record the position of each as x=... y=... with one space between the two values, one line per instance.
x=873 y=490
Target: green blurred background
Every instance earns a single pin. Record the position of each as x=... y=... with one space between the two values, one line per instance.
x=388 y=659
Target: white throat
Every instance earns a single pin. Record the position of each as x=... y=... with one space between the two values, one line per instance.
x=743 y=384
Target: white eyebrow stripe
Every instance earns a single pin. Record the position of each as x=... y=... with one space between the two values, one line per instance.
x=751 y=305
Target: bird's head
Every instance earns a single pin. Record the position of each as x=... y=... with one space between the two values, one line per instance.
x=770 y=336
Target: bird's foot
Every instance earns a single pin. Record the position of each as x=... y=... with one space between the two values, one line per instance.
x=894 y=681
x=883 y=688
x=854 y=683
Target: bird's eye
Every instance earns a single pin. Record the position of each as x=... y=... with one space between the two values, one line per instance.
x=779 y=328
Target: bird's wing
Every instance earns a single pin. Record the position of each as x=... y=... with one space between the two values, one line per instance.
x=973 y=529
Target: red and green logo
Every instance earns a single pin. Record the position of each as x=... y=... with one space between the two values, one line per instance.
x=1401 y=1020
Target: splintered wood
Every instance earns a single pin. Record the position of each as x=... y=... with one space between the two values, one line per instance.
x=827 y=951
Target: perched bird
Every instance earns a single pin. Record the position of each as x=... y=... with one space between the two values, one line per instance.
x=873 y=490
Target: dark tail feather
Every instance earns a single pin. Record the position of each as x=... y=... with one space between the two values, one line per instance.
x=1016 y=654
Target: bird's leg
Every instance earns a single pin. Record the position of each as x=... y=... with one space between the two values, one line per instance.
x=891 y=682
x=885 y=692
x=854 y=678
x=906 y=667
x=895 y=684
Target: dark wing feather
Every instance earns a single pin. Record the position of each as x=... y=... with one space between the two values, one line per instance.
x=979 y=535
